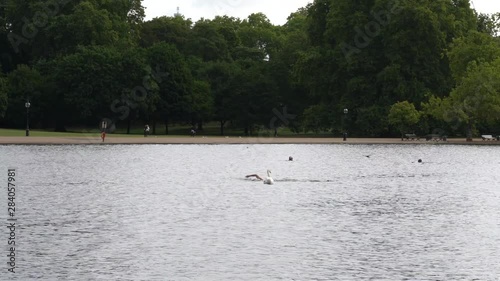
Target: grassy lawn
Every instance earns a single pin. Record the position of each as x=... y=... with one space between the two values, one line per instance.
x=41 y=133
x=178 y=130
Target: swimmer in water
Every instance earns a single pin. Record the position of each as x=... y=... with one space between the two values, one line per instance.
x=290 y=158
x=253 y=176
x=268 y=180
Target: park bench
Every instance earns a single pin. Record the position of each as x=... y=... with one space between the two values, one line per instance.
x=487 y=137
x=411 y=137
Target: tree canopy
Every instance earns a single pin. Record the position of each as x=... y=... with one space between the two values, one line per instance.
x=403 y=116
x=387 y=61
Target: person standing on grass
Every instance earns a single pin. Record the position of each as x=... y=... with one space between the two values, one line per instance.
x=146 y=130
x=104 y=125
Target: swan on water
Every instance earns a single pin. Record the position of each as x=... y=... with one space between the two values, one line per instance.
x=269 y=179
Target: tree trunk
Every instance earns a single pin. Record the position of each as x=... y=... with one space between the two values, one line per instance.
x=154 y=126
x=222 y=127
x=60 y=127
x=60 y=115
x=200 y=126
x=59 y=124
x=166 y=126
x=469 y=131
x=128 y=125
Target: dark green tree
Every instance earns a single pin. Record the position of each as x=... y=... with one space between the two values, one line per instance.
x=201 y=104
x=403 y=116
x=367 y=55
x=38 y=29
x=175 y=83
x=475 y=100
x=3 y=95
x=223 y=87
x=23 y=84
x=100 y=82
x=173 y=30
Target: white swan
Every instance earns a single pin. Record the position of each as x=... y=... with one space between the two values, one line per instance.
x=269 y=179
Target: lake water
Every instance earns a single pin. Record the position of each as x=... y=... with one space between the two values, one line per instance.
x=186 y=212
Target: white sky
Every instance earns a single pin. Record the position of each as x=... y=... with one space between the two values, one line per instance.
x=276 y=10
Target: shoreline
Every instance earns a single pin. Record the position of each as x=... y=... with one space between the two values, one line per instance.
x=225 y=140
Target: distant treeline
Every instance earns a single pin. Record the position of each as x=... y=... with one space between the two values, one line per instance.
x=398 y=66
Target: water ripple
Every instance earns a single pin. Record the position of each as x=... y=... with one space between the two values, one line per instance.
x=177 y=212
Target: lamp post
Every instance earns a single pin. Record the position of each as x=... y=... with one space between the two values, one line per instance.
x=27 y=105
x=344 y=133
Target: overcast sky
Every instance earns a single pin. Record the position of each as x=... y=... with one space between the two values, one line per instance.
x=276 y=10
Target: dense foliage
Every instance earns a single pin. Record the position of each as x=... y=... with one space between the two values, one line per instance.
x=397 y=65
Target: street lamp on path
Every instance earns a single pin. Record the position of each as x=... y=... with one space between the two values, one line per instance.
x=27 y=105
